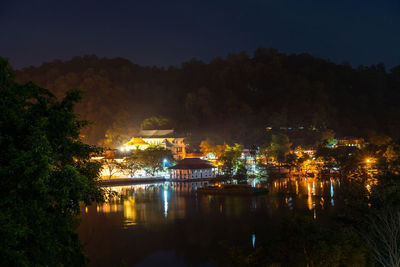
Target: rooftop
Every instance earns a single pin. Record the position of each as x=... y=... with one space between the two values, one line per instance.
x=156 y=133
x=193 y=163
x=136 y=142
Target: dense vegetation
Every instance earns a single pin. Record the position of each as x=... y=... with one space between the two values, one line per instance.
x=234 y=98
x=363 y=232
x=45 y=175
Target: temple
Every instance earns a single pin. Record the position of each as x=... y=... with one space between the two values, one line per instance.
x=165 y=138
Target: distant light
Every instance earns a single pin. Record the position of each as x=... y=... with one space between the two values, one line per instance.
x=165 y=160
x=122 y=149
x=369 y=160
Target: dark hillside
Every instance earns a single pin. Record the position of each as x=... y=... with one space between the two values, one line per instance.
x=234 y=98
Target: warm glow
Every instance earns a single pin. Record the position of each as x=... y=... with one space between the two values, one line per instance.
x=369 y=160
x=309 y=198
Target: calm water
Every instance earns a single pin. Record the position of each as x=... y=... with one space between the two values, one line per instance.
x=170 y=225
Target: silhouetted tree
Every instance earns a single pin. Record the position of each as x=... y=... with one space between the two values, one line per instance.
x=46 y=174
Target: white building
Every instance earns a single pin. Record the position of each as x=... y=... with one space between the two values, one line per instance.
x=165 y=138
x=192 y=168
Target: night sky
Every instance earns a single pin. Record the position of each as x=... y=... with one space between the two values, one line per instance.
x=167 y=32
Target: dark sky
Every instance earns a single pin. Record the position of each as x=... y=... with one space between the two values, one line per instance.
x=166 y=32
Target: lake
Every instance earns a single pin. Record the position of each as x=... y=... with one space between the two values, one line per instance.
x=168 y=224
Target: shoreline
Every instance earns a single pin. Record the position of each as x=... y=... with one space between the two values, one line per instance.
x=135 y=180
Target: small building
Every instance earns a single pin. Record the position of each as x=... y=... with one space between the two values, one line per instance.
x=192 y=168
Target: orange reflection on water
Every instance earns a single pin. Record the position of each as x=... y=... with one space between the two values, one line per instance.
x=309 y=198
x=129 y=211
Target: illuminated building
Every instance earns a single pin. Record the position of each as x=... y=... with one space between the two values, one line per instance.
x=350 y=141
x=164 y=138
x=192 y=168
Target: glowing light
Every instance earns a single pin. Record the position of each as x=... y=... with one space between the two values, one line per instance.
x=165 y=203
x=368 y=188
x=253 y=240
x=309 y=198
x=332 y=193
x=369 y=160
x=313 y=188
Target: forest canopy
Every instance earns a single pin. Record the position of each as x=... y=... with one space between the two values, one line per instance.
x=234 y=98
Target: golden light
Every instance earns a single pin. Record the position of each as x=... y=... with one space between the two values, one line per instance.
x=368 y=188
x=369 y=160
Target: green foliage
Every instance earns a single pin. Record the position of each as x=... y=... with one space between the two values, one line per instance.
x=261 y=169
x=231 y=161
x=328 y=137
x=45 y=175
x=349 y=160
x=131 y=164
x=156 y=123
x=292 y=161
x=241 y=169
x=151 y=159
x=279 y=147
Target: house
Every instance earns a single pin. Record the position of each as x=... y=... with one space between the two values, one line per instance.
x=164 y=138
x=350 y=141
x=192 y=168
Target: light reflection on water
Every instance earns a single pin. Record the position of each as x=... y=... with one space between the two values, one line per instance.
x=317 y=193
x=142 y=217
x=139 y=203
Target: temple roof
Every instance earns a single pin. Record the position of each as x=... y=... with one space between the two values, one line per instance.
x=156 y=133
x=193 y=163
x=136 y=142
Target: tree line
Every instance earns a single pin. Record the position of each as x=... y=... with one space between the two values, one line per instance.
x=232 y=98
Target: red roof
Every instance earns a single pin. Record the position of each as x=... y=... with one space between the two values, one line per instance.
x=192 y=163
